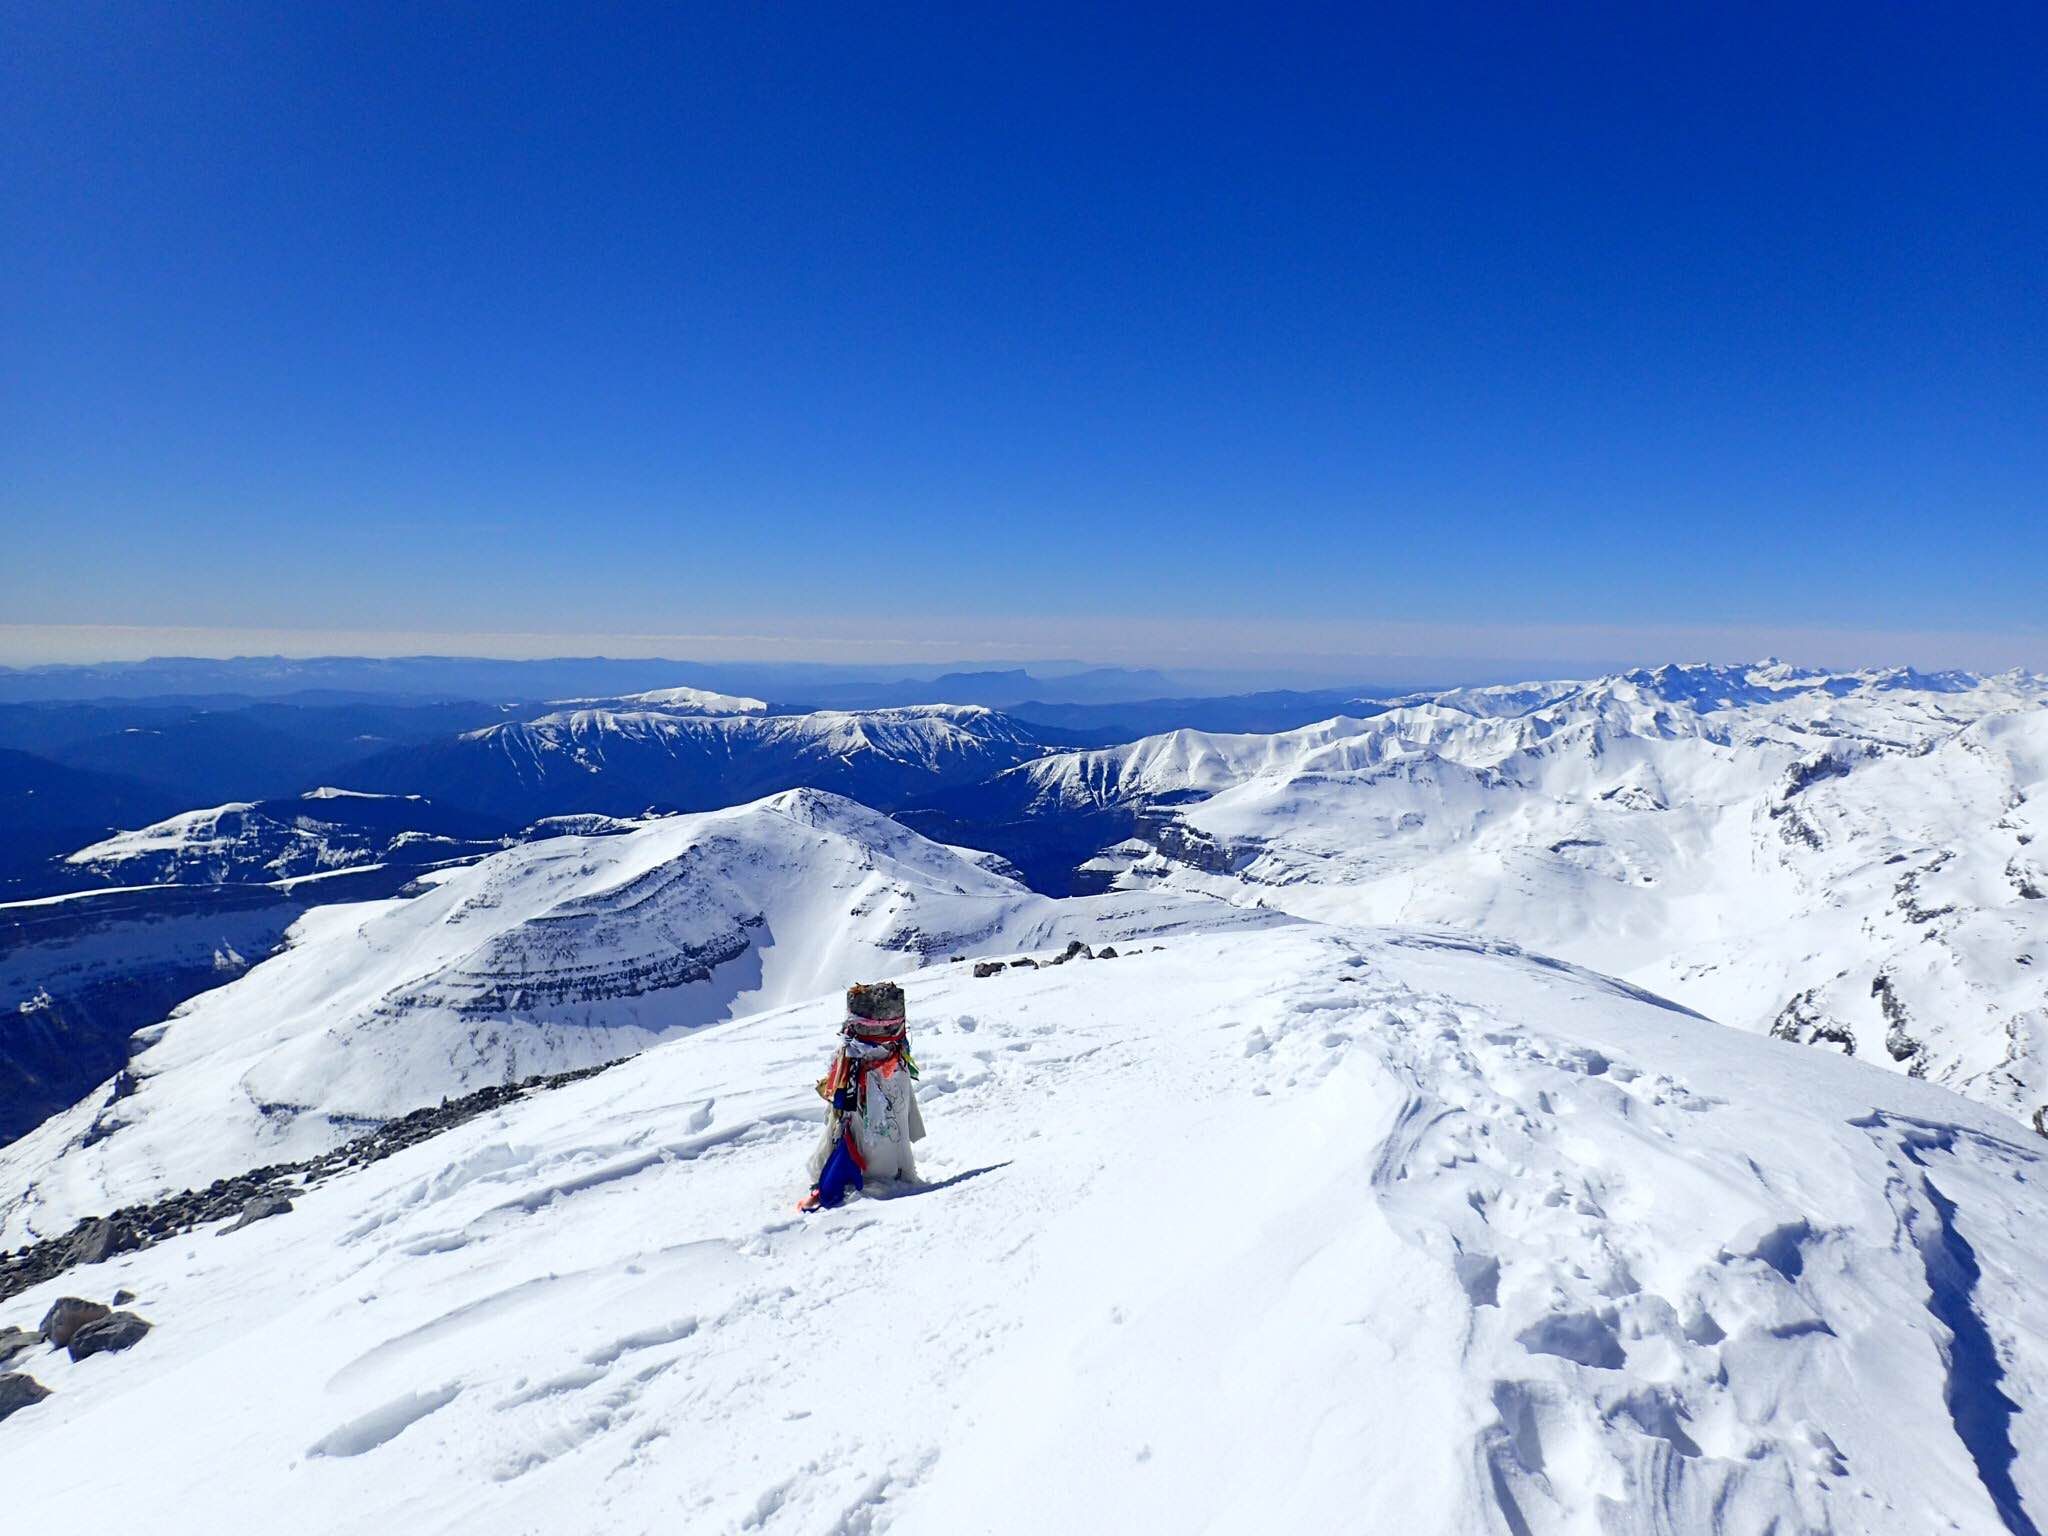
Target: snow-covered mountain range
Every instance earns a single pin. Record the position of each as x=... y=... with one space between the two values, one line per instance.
x=1297 y=1229
x=548 y=956
x=1848 y=860
x=647 y=752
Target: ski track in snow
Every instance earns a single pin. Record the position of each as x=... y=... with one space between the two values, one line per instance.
x=1304 y=1229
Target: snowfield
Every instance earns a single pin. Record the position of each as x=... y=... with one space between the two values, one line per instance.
x=548 y=956
x=1301 y=1228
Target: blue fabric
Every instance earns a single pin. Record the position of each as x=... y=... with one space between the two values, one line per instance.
x=839 y=1173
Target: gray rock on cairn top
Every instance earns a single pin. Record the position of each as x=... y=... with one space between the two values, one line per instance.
x=879 y=1000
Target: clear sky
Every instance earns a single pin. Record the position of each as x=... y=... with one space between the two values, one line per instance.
x=1174 y=333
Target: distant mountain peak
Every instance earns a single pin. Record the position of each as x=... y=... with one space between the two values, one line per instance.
x=685 y=701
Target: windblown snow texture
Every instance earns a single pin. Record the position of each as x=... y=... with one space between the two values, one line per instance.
x=1479 y=1243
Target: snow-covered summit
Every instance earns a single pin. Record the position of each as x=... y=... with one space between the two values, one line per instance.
x=691 y=701
x=550 y=955
x=1306 y=1229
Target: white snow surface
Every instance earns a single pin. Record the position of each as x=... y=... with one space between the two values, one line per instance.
x=1849 y=859
x=547 y=956
x=1301 y=1228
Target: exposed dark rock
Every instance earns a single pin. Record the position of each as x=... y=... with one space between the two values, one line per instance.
x=92 y=1241
x=1906 y=894
x=1075 y=950
x=114 y=1332
x=66 y=1316
x=1107 y=952
x=123 y=1297
x=1191 y=846
x=1803 y=1022
x=1803 y=775
x=1635 y=796
x=1795 y=828
x=256 y=1210
x=989 y=967
x=1902 y=1045
x=18 y=1391
x=1026 y=964
x=2041 y=1121
x=13 y=1341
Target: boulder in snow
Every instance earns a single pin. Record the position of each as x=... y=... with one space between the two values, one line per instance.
x=116 y=1331
x=18 y=1391
x=13 y=1341
x=66 y=1316
x=256 y=1210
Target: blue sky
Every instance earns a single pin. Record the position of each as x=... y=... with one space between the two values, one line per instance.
x=1147 y=333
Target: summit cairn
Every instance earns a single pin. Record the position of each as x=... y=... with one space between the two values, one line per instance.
x=870 y=1087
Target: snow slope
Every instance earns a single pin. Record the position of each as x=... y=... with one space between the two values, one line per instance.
x=548 y=956
x=1301 y=1229
x=1850 y=860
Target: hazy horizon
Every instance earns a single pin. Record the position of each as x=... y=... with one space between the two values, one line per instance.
x=1260 y=655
